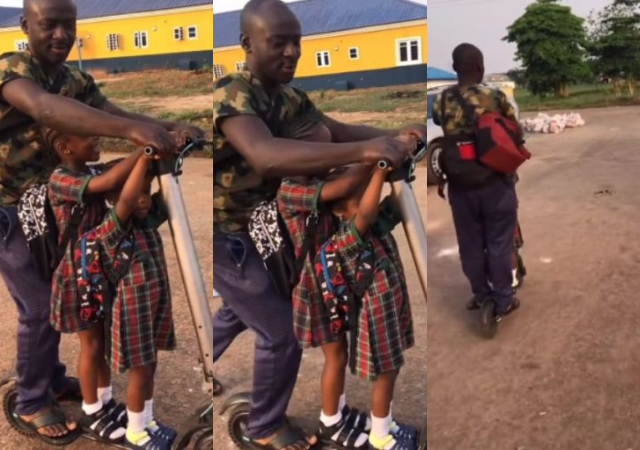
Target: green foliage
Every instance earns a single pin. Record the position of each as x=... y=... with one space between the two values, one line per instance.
x=551 y=44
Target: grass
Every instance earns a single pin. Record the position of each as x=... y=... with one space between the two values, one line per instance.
x=584 y=96
x=158 y=83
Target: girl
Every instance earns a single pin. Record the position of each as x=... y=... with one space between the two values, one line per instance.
x=141 y=320
x=76 y=193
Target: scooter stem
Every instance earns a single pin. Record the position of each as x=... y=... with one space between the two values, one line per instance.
x=413 y=228
x=190 y=270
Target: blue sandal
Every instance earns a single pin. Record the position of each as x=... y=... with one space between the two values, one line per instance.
x=164 y=431
x=156 y=442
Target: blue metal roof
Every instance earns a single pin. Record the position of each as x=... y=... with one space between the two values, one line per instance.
x=10 y=14
x=100 y=8
x=328 y=16
x=438 y=74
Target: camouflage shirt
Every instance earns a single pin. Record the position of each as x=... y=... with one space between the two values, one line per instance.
x=24 y=160
x=455 y=121
x=237 y=187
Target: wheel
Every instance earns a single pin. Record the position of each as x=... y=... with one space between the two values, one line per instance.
x=434 y=171
x=488 y=325
x=204 y=442
x=237 y=424
x=8 y=407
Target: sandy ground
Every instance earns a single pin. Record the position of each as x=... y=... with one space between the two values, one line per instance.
x=172 y=104
x=179 y=382
x=563 y=372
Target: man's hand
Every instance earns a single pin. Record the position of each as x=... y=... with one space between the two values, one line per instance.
x=416 y=131
x=394 y=151
x=186 y=132
x=149 y=135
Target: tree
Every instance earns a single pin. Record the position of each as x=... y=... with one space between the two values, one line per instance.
x=614 y=35
x=551 y=43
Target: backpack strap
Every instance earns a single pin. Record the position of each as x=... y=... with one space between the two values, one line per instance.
x=71 y=234
x=469 y=110
x=364 y=278
x=308 y=249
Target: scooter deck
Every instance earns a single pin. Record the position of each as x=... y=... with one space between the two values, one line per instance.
x=89 y=437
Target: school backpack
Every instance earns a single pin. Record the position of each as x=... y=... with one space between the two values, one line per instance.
x=343 y=300
x=494 y=148
x=96 y=281
x=271 y=238
x=41 y=231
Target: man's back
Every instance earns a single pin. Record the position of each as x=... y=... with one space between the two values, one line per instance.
x=454 y=118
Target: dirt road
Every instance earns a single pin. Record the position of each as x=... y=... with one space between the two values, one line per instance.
x=563 y=372
x=179 y=379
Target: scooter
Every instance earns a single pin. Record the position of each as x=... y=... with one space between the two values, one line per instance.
x=237 y=406
x=197 y=430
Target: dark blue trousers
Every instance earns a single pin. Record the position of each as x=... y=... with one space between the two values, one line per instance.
x=251 y=301
x=485 y=220
x=38 y=365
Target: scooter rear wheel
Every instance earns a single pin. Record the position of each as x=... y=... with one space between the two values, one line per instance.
x=237 y=424
x=488 y=324
x=9 y=402
x=204 y=442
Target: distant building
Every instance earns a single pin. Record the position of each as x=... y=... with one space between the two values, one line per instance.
x=346 y=43
x=438 y=77
x=128 y=35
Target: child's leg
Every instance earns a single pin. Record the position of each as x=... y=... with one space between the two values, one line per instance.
x=333 y=426
x=333 y=376
x=140 y=378
x=381 y=436
x=95 y=381
x=91 y=362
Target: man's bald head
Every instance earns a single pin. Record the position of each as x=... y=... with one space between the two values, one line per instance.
x=257 y=11
x=468 y=61
x=30 y=6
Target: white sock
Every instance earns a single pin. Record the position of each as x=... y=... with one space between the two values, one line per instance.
x=330 y=421
x=148 y=415
x=137 y=426
x=106 y=394
x=92 y=409
x=342 y=402
x=381 y=427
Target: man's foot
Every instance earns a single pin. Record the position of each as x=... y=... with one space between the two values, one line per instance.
x=70 y=393
x=515 y=304
x=48 y=422
x=476 y=302
x=286 y=439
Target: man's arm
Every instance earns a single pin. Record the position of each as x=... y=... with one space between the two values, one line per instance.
x=276 y=157
x=342 y=132
x=73 y=117
x=185 y=130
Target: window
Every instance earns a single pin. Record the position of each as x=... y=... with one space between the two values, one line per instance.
x=22 y=46
x=141 y=39
x=240 y=66
x=193 y=32
x=354 y=53
x=113 y=42
x=218 y=71
x=178 y=33
x=409 y=51
x=322 y=59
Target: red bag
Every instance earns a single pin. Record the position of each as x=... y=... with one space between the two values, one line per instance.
x=499 y=144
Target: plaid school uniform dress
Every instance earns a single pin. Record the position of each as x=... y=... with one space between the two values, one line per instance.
x=385 y=326
x=67 y=189
x=141 y=315
x=297 y=199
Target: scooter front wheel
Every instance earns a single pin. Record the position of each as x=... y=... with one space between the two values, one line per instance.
x=488 y=324
x=204 y=442
x=237 y=424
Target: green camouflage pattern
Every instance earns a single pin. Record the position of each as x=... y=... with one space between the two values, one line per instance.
x=455 y=121
x=24 y=159
x=237 y=187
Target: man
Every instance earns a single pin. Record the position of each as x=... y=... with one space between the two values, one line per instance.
x=36 y=88
x=484 y=212
x=251 y=111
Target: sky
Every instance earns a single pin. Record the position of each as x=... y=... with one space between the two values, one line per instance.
x=15 y=3
x=452 y=22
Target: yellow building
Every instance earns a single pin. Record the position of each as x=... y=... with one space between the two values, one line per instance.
x=346 y=44
x=132 y=35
